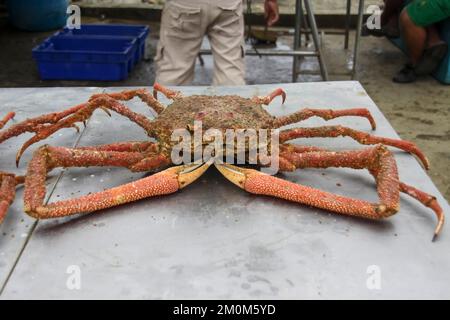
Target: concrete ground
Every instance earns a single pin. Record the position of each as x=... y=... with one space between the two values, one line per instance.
x=419 y=111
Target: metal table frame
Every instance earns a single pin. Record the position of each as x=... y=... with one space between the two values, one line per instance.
x=301 y=27
x=297 y=53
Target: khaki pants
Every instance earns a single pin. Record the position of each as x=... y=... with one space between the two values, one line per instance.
x=184 y=24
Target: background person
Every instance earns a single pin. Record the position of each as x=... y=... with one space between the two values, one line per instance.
x=184 y=23
x=425 y=48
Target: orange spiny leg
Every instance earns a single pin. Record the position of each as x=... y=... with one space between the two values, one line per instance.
x=102 y=101
x=427 y=200
x=8 y=183
x=168 y=93
x=326 y=114
x=142 y=94
x=35 y=124
x=283 y=163
x=287 y=154
x=8 y=117
x=129 y=146
x=259 y=183
x=7 y=193
x=360 y=136
x=378 y=160
x=268 y=99
x=164 y=182
x=286 y=147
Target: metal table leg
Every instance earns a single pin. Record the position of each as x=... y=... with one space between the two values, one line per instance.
x=347 y=22
x=315 y=35
x=297 y=35
x=357 y=37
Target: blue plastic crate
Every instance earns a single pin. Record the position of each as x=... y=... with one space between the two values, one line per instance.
x=77 y=42
x=85 y=58
x=140 y=32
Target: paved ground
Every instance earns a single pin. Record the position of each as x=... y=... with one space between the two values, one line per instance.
x=419 y=111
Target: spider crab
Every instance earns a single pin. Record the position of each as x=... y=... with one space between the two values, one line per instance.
x=222 y=112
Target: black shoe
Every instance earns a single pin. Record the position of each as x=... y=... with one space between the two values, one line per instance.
x=406 y=75
x=431 y=59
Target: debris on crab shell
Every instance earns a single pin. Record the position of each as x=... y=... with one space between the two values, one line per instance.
x=204 y=121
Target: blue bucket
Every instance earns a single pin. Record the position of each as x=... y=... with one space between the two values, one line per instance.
x=37 y=15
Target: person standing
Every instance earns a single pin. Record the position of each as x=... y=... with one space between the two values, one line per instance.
x=184 y=23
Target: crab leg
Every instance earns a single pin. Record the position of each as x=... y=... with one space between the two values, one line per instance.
x=266 y=100
x=296 y=158
x=83 y=114
x=168 y=93
x=142 y=94
x=8 y=183
x=136 y=156
x=360 y=136
x=257 y=182
x=34 y=124
x=326 y=114
x=428 y=201
x=43 y=124
x=299 y=149
x=161 y=183
x=130 y=146
x=8 y=117
x=380 y=162
x=47 y=158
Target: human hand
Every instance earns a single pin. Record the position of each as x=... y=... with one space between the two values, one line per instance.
x=271 y=12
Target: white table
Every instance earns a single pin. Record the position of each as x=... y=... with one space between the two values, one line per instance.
x=213 y=240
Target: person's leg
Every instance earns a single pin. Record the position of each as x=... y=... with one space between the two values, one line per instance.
x=425 y=49
x=435 y=51
x=415 y=37
x=433 y=36
x=181 y=35
x=226 y=35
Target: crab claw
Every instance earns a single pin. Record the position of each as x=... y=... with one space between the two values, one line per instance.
x=268 y=99
x=236 y=175
x=23 y=148
x=278 y=92
x=186 y=174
